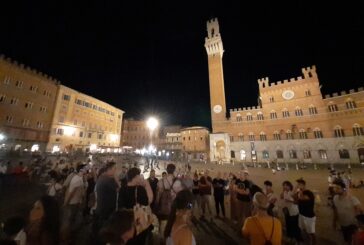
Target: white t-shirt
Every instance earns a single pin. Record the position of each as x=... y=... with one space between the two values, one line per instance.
x=288 y=202
x=53 y=188
x=76 y=183
x=345 y=209
x=166 y=184
x=21 y=238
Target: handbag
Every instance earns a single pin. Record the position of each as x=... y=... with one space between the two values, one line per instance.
x=143 y=215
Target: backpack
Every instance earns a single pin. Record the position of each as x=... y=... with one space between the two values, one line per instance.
x=166 y=199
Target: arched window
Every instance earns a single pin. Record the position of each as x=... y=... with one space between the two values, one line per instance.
x=312 y=110
x=332 y=107
x=350 y=104
x=298 y=112
x=241 y=137
x=279 y=154
x=339 y=131
x=249 y=117
x=285 y=113
x=306 y=154
x=289 y=135
x=263 y=136
x=239 y=118
x=303 y=134
x=265 y=154
x=308 y=92
x=251 y=136
x=357 y=130
x=260 y=116
x=344 y=154
x=273 y=115
x=293 y=154
x=276 y=135
x=322 y=153
x=317 y=133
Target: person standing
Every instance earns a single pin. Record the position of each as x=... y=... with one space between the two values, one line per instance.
x=290 y=211
x=243 y=204
x=195 y=191
x=153 y=182
x=262 y=228
x=346 y=207
x=306 y=203
x=219 y=193
x=272 y=198
x=205 y=193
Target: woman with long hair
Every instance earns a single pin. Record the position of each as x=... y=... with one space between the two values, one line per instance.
x=44 y=222
x=177 y=230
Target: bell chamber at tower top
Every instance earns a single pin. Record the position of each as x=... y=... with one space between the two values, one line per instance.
x=213 y=42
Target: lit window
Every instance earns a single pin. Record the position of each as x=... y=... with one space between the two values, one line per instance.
x=265 y=155
x=323 y=154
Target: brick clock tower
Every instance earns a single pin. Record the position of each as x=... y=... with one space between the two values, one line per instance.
x=215 y=50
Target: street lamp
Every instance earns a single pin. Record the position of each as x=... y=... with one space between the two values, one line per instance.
x=2 y=137
x=152 y=124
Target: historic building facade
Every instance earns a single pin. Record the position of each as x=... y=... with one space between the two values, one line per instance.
x=293 y=122
x=27 y=102
x=84 y=123
x=136 y=134
x=37 y=113
x=195 y=143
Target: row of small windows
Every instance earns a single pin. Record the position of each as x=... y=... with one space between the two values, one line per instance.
x=88 y=105
x=20 y=85
x=312 y=110
x=24 y=122
x=81 y=134
x=338 y=132
x=27 y=105
x=307 y=93
x=189 y=138
x=343 y=154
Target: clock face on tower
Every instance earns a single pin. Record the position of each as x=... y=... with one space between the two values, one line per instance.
x=217 y=108
x=288 y=94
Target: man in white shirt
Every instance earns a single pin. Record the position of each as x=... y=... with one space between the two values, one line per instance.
x=73 y=199
x=346 y=207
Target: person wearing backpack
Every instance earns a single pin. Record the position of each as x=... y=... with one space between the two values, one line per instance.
x=167 y=189
x=261 y=228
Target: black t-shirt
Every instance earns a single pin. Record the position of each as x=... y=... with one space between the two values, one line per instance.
x=243 y=185
x=195 y=189
x=153 y=184
x=106 y=196
x=306 y=207
x=218 y=185
x=127 y=196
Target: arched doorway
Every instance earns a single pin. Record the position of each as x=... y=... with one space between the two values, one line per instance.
x=361 y=154
x=220 y=149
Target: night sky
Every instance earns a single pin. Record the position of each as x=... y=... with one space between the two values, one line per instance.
x=149 y=57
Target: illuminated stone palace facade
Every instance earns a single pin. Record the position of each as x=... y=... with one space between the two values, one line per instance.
x=293 y=122
x=37 y=113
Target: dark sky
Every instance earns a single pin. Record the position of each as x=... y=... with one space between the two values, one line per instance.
x=148 y=57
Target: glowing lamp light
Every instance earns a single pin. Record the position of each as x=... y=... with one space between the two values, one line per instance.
x=34 y=148
x=114 y=137
x=152 y=123
x=2 y=137
x=55 y=149
x=108 y=150
x=93 y=147
x=69 y=131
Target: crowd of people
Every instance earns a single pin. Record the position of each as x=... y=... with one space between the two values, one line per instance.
x=123 y=207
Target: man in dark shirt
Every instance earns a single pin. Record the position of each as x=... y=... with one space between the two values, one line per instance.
x=153 y=181
x=219 y=187
x=242 y=188
x=306 y=203
x=106 y=189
